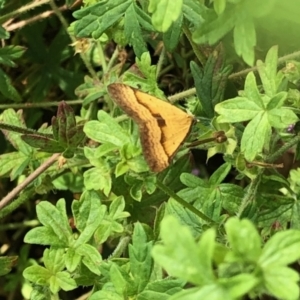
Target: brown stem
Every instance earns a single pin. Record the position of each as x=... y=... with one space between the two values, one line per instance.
x=11 y=195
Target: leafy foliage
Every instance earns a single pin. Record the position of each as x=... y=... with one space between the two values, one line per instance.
x=82 y=208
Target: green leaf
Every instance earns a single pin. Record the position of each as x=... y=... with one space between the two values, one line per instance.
x=251 y=91
x=53 y=219
x=10 y=53
x=9 y=116
x=121 y=280
x=282 y=282
x=7 y=89
x=282 y=249
x=98 y=179
x=44 y=144
x=219 y=6
x=50 y=277
x=239 y=285
x=88 y=211
x=210 y=82
x=37 y=274
x=268 y=71
x=181 y=256
x=88 y=214
x=3 y=33
x=209 y=291
x=54 y=259
x=64 y=281
x=13 y=163
x=106 y=130
x=245 y=39
x=44 y=236
x=244 y=239
x=216 y=27
x=133 y=31
x=140 y=257
x=106 y=295
x=257 y=134
x=238 y=109
x=97 y=18
x=219 y=175
x=164 y=12
x=72 y=259
x=194 y=12
x=172 y=36
x=116 y=209
x=161 y=289
x=184 y=216
x=7 y=263
x=90 y=91
x=91 y=257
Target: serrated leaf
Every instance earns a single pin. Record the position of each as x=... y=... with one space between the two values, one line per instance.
x=3 y=33
x=133 y=32
x=44 y=144
x=13 y=163
x=172 y=36
x=97 y=18
x=184 y=216
x=140 y=257
x=194 y=12
x=10 y=53
x=9 y=116
x=7 y=89
x=238 y=109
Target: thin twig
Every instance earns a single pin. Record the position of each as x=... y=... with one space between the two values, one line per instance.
x=185 y=204
x=42 y=168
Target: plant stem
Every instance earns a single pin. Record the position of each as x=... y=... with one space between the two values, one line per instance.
x=182 y=95
x=23 y=9
x=122 y=245
x=66 y=25
x=185 y=204
x=38 y=105
x=250 y=194
x=198 y=53
x=294 y=141
x=11 y=195
x=160 y=62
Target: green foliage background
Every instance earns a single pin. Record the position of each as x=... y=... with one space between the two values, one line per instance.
x=82 y=215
